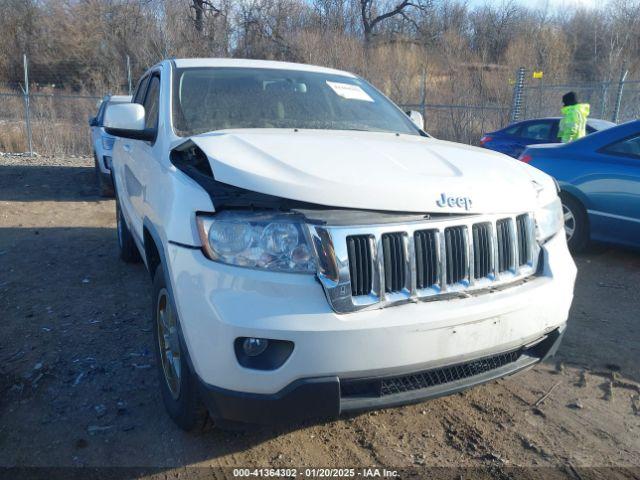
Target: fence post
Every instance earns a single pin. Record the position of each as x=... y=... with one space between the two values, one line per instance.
x=616 y=108
x=516 y=102
x=27 y=110
x=423 y=93
x=129 y=73
x=604 y=88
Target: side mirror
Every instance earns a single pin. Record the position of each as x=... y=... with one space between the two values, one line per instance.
x=93 y=122
x=416 y=118
x=127 y=121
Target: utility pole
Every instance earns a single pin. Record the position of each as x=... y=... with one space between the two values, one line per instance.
x=25 y=93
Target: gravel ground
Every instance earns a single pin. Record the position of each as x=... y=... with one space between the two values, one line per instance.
x=78 y=384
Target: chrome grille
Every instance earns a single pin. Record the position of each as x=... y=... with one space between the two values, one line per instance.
x=374 y=266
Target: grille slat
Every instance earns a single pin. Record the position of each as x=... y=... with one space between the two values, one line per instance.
x=481 y=250
x=394 y=262
x=505 y=252
x=426 y=260
x=360 y=269
x=427 y=378
x=522 y=225
x=456 y=254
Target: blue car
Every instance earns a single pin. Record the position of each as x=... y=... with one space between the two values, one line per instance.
x=599 y=179
x=513 y=139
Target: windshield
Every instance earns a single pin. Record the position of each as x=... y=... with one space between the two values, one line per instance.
x=208 y=99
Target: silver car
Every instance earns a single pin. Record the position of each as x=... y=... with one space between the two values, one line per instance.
x=102 y=144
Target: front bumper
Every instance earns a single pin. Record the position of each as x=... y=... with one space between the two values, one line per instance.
x=217 y=304
x=329 y=397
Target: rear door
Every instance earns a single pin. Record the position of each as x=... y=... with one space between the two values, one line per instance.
x=142 y=154
x=126 y=163
x=613 y=188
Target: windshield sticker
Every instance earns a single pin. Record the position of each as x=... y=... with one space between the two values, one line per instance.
x=347 y=90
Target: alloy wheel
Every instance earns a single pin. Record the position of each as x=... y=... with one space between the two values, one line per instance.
x=569 y=222
x=169 y=343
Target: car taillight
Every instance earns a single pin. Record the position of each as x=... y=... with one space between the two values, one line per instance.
x=526 y=158
x=485 y=139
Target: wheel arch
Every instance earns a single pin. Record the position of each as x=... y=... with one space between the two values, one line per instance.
x=153 y=248
x=569 y=194
x=575 y=193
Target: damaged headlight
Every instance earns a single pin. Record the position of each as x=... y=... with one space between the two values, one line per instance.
x=269 y=241
x=549 y=220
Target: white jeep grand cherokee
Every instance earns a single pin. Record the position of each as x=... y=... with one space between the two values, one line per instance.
x=314 y=252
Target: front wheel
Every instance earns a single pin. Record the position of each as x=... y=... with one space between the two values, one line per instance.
x=576 y=223
x=178 y=384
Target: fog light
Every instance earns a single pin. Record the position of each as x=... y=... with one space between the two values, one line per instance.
x=253 y=347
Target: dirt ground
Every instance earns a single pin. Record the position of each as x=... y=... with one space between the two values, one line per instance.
x=78 y=384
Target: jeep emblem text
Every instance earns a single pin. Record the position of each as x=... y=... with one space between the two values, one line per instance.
x=461 y=202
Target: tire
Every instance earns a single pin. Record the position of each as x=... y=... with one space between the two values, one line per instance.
x=105 y=188
x=178 y=384
x=126 y=244
x=576 y=223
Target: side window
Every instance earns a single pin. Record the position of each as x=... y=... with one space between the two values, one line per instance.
x=537 y=131
x=100 y=114
x=140 y=91
x=629 y=147
x=512 y=130
x=151 y=101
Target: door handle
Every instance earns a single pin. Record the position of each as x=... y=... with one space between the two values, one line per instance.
x=126 y=147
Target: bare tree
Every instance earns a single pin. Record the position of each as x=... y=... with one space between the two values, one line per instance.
x=201 y=8
x=370 y=17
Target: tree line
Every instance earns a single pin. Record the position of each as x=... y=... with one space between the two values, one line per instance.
x=81 y=45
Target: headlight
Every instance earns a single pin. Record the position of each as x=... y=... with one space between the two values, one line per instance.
x=256 y=240
x=107 y=142
x=549 y=220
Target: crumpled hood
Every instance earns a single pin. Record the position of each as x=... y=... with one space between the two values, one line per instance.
x=374 y=171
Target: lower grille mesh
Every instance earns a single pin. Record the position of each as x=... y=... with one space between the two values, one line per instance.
x=427 y=378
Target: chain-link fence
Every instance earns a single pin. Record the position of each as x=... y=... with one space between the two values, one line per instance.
x=461 y=123
x=617 y=101
x=57 y=124
x=43 y=115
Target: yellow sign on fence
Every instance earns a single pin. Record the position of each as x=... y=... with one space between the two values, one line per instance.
x=539 y=74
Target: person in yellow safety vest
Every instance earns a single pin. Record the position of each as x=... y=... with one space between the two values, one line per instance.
x=573 y=123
